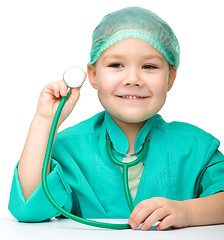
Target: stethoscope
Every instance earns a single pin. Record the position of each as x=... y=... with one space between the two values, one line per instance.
x=74 y=77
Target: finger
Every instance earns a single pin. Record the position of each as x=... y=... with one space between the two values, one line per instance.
x=150 y=204
x=63 y=88
x=165 y=223
x=74 y=97
x=140 y=217
x=137 y=209
x=157 y=215
x=55 y=87
x=74 y=91
x=142 y=211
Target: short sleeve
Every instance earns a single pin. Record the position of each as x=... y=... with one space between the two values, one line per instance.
x=37 y=208
x=212 y=176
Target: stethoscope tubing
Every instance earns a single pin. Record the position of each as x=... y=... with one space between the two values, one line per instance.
x=125 y=167
x=48 y=194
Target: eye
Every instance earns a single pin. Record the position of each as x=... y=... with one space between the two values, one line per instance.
x=149 y=67
x=116 y=65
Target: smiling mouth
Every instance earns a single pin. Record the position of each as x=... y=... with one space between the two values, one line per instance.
x=131 y=97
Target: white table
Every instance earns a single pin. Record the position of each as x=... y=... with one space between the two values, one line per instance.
x=11 y=229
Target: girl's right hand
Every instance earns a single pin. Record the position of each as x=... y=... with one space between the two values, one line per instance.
x=50 y=98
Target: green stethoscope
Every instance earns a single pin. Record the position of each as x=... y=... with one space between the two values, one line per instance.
x=71 y=74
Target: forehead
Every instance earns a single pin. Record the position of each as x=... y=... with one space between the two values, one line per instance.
x=129 y=46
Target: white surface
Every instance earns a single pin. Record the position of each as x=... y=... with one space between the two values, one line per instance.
x=67 y=229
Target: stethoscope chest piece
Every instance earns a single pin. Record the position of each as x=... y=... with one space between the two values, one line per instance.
x=74 y=77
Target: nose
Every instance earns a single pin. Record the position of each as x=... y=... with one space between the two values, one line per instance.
x=132 y=78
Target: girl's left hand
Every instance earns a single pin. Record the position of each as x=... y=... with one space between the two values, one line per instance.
x=169 y=212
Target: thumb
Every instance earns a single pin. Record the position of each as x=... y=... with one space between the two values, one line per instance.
x=74 y=96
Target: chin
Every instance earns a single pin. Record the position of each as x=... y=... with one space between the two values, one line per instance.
x=131 y=115
x=133 y=118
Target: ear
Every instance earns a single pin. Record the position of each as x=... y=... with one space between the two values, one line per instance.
x=91 y=71
x=172 y=77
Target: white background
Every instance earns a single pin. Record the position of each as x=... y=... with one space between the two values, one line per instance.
x=39 y=39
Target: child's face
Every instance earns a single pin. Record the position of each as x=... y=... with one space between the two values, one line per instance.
x=132 y=79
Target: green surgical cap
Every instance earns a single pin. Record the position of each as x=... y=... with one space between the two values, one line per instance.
x=139 y=23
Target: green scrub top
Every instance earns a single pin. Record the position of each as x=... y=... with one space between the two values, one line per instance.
x=183 y=162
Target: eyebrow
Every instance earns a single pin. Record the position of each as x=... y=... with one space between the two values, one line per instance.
x=120 y=56
x=112 y=56
x=150 y=56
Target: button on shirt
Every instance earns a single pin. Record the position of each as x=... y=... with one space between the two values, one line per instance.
x=183 y=162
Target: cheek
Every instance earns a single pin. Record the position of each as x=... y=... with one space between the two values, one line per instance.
x=159 y=85
x=103 y=91
x=106 y=84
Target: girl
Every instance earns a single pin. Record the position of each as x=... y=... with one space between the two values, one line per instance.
x=180 y=182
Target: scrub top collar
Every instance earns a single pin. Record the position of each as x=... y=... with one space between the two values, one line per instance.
x=119 y=139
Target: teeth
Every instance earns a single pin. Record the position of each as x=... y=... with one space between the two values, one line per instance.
x=131 y=97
